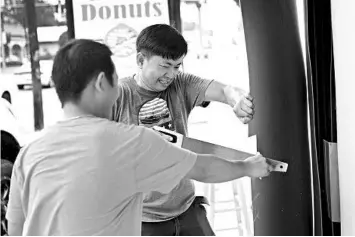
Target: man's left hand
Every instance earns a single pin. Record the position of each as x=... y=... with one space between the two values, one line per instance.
x=244 y=109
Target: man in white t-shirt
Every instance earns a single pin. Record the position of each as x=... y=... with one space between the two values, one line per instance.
x=86 y=175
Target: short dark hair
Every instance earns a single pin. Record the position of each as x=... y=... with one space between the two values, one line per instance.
x=161 y=40
x=76 y=64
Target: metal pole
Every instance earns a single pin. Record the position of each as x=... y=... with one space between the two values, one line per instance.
x=1 y=40
x=200 y=29
x=70 y=19
x=174 y=14
x=35 y=68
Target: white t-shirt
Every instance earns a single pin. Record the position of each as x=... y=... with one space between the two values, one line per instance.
x=87 y=176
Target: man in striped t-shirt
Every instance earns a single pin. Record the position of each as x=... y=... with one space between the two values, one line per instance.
x=160 y=95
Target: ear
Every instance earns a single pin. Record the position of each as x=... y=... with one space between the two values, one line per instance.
x=100 y=81
x=140 y=59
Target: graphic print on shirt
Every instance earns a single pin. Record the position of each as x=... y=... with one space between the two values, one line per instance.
x=155 y=113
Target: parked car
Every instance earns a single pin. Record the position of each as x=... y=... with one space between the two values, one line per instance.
x=10 y=147
x=11 y=61
x=12 y=139
x=23 y=76
x=8 y=89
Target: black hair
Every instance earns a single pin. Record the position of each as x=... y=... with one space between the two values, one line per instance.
x=161 y=40
x=76 y=64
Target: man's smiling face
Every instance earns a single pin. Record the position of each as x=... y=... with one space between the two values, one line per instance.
x=158 y=72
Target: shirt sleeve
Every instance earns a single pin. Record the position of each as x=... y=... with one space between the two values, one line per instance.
x=195 y=88
x=14 y=211
x=162 y=165
x=115 y=115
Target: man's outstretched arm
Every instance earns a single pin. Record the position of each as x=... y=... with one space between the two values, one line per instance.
x=212 y=169
x=160 y=165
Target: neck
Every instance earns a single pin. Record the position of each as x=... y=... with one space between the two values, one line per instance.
x=73 y=110
x=141 y=83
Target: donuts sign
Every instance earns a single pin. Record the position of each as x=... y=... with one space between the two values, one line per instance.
x=117 y=24
x=147 y=9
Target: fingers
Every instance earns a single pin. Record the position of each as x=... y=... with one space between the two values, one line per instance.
x=267 y=168
x=247 y=111
x=166 y=137
x=258 y=166
x=265 y=174
x=245 y=120
x=242 y=112
x=271 y=166
x=249 y=97
x=248 y=102
x=245 y=108
x=262 y=166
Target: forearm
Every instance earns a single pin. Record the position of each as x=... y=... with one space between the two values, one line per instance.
x=226 y=94
x=232 y=95
x=212 y=169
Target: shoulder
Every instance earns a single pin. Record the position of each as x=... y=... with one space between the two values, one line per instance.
x=184 y=78
x=127 y=131
x=126 y=82
x=126 y=85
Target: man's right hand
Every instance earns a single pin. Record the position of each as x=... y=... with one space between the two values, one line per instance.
x=257 y=166
x=164 y=136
